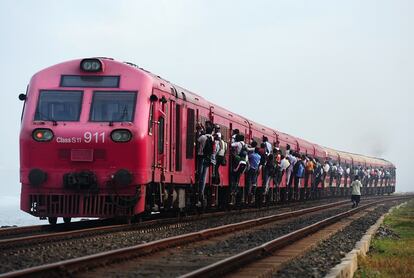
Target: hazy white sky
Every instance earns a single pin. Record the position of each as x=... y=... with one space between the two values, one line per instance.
x=338 y=73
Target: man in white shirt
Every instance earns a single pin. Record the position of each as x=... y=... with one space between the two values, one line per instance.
x=356 y=186
x=268 y=145
x=325 y=168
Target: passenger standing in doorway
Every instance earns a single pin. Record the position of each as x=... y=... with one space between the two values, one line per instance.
x=207 y=144
x=356 y=186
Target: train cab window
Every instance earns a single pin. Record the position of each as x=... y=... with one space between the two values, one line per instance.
x=113 y=106
x=58 y=106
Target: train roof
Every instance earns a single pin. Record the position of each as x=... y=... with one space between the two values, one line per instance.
x=347 y=157
x=296 y=142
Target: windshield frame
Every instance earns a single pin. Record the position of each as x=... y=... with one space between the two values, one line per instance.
x=37 y=112
x=97 y=92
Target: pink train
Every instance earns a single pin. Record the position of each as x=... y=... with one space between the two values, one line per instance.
x=103 y=138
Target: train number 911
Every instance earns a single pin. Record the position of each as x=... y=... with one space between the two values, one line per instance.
x=95 y=137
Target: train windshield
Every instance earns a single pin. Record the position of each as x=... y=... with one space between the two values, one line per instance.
x=113 y=106
x=59 y=106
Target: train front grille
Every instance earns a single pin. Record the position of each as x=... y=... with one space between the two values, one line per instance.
x=76 y=205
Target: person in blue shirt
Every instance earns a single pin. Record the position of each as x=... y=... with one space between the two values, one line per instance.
x=254 y=162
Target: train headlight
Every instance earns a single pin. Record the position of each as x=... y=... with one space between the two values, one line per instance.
x=42 y=134
x=122 y=177
x=37 y=177
x=121 y=135
x=91 y=65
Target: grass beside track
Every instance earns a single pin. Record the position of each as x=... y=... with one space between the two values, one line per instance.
x=392 y=250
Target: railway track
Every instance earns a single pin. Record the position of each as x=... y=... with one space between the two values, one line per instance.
x=18 y=236
x=30 y=233
x=153 y=251
x=270 y=257
x=15 y=232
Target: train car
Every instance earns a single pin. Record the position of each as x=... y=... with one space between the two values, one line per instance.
x=103 y=138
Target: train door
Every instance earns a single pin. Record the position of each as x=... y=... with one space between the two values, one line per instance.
x=171 y=139
x=155 y=194
x=157 y=124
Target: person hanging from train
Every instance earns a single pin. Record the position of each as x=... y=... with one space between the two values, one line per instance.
x=207 y=145
x=289 y=174
x=284 y=165
x=268 y=145
x=218 y=157
x=217 y=130
x=317 y=178
x=347 y=172
x=332 y=173
x=221 y=151
x=298 y=174
x=276 y=146
x=339 y=174
x=287 y=150
x=292 y=160
x=240 y=160
x=234 y=135
x=269 y=169
x=310 y=167
x=361 y=173
x=254 y=162
x=332 y=176
x=387 y=177
x=263 y=157
x=278 y=171
x=326 y=169
x=376 y=176
x=356 y=186
x=382 y=176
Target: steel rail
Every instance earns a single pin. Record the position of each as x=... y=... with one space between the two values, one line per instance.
x=48 y=237
x=47 y=228
x=12 y=231
x=227 y=265
x=74 y=265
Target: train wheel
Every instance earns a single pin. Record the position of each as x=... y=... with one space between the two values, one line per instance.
x=67 y=219
x=52 y=220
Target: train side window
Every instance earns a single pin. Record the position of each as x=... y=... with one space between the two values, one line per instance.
x=161 y=135
x=178 y=156
x=150 y=118
x=190 y=133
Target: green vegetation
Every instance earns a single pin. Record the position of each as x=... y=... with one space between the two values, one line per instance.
x=392 y=251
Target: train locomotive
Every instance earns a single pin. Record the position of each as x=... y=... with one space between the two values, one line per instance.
x=103 y=138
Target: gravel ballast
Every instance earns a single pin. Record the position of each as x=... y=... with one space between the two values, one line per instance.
x=39 y=254
x=318 y=261
x=182 y=260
